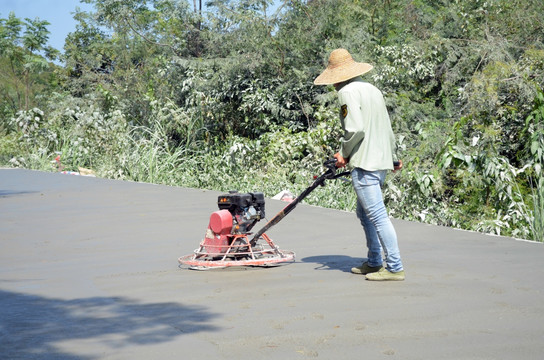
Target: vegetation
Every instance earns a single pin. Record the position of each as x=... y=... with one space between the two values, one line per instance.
x=221 y=97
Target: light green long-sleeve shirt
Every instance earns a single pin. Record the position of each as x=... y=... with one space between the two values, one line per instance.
x=368 y=141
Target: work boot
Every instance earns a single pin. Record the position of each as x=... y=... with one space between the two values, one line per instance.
x=386 y=275
x=365 y=269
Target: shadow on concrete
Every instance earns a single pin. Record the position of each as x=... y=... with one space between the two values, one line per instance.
x=334 y=262
x=31 y=325
x=6 y=193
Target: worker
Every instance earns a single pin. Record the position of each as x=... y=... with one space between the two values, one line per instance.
x=368 y=146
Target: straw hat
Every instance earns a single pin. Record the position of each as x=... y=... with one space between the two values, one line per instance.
x=341 y=67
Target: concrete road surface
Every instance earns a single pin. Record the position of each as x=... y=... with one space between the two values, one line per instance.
x=88 y=270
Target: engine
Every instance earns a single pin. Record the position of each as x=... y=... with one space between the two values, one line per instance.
x=237 y=214
x=246 y=209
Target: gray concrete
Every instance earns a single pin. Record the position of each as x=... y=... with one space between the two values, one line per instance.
x=88 y=270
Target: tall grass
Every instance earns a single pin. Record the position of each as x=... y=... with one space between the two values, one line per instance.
x=538 y=212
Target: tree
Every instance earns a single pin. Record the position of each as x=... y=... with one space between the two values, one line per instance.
x=24 y=57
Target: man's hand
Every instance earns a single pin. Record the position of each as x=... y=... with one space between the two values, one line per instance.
x=398 y=166
x=340 y=161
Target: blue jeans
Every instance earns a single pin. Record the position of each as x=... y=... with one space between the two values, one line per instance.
x=379 y=231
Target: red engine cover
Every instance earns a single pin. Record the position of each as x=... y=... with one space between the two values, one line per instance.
x=221 y=222
x=220 y=226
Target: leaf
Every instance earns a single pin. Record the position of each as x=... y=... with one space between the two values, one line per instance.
x=528 y=120
x=534 y=147
x=447 y=161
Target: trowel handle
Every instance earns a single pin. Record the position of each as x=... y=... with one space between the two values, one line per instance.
x=330 y=163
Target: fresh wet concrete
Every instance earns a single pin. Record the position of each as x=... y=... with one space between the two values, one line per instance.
x=88 y=270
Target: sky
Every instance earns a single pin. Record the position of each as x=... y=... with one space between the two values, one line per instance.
x=58 y=12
